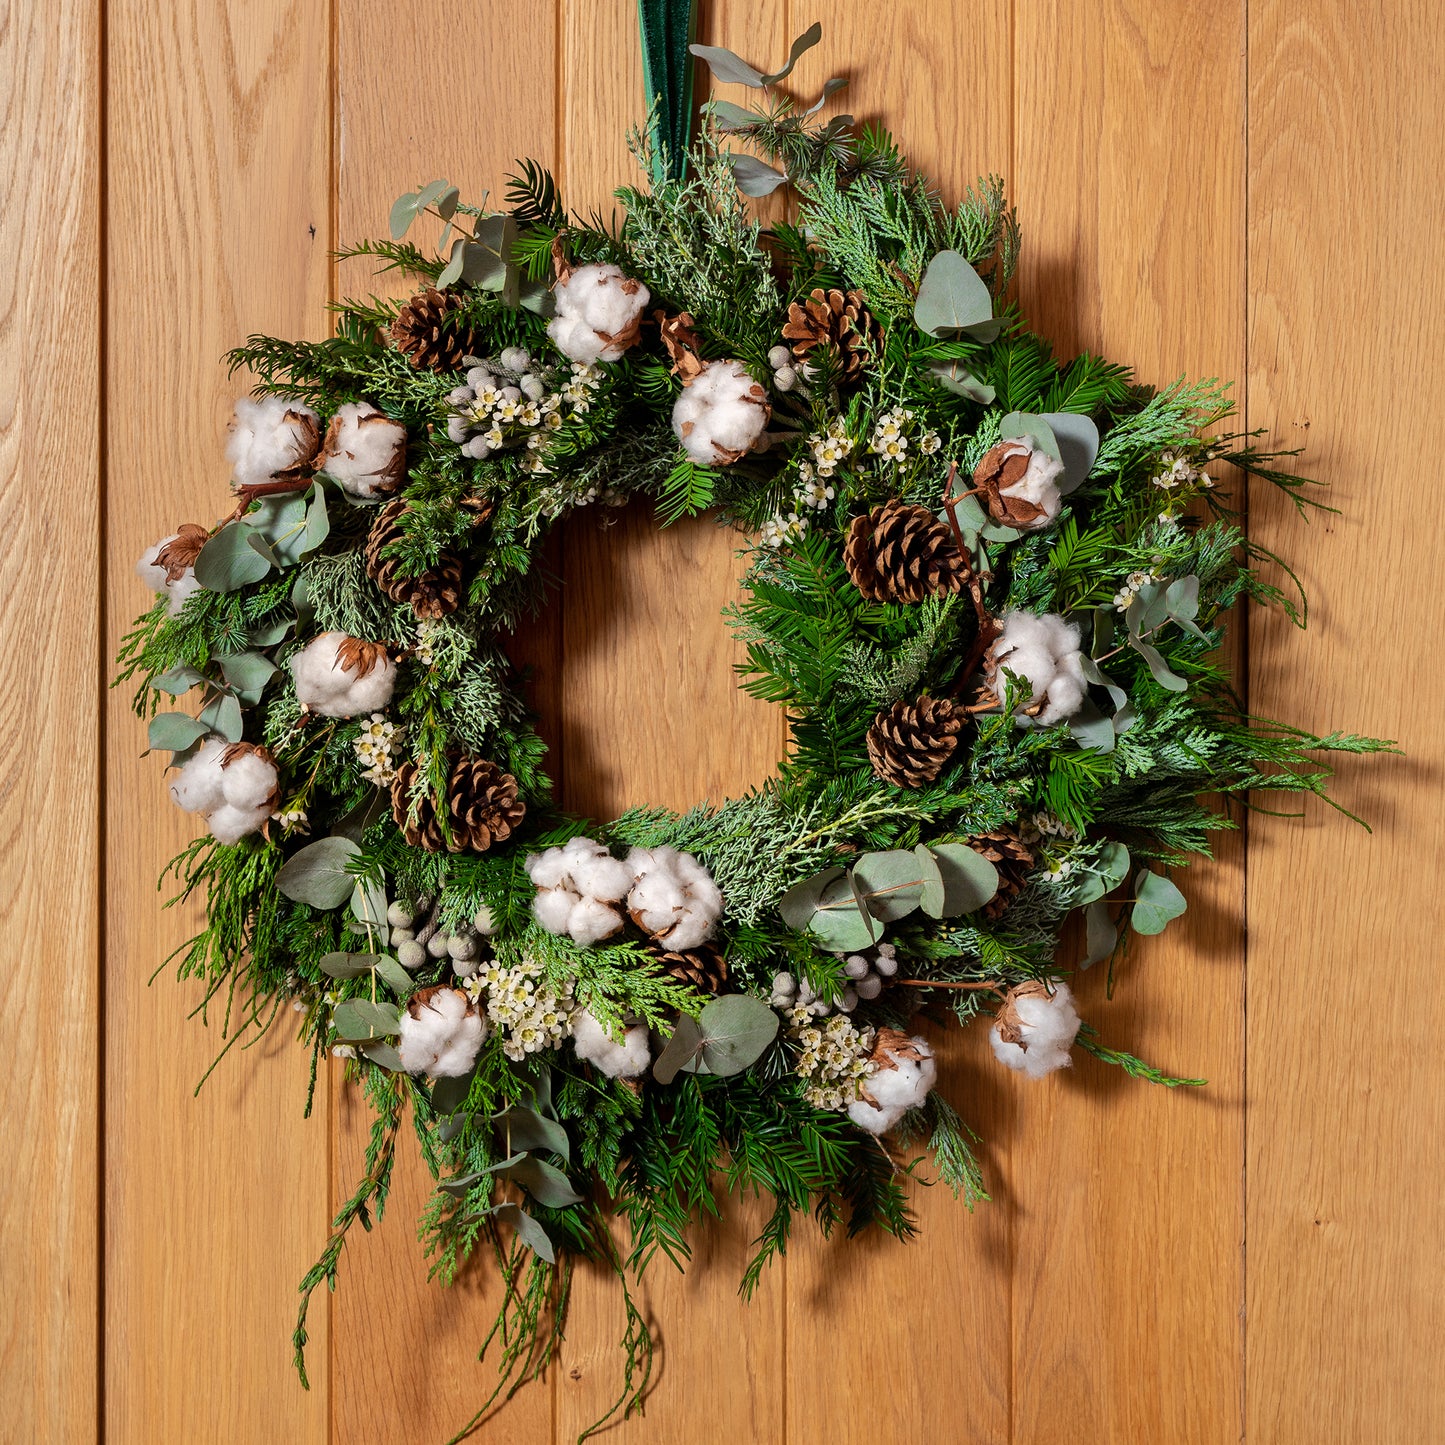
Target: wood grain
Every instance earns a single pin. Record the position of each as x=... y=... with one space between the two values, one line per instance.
x=1127 y=1285
x=398 y=126
x=1346 y=1294
x=50 y=492
x=882 y=1376
x=216 y=226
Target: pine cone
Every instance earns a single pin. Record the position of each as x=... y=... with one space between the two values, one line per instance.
x=839 y=321
x=482 y=807
x=910 y=743
x=1012 y=858
x=434 y=593
x=902 y=553
x=431 y=333
x=704 y=967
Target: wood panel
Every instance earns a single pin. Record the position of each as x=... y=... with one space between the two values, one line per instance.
x=216 y=225
x=650 y=714
x=1127 y=1264
x=1346 y=1104
x=949 y=1288
x=50 y=490
x=401 y=120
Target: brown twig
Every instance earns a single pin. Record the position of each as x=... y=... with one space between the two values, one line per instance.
x=939 y=983
x=252 y=491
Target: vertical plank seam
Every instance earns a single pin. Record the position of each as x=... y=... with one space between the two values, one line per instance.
x=786 y=1284
x=559 y=160
x=102 y=622
x=1245 y=829
x=1011 y=1221
x=333 y=241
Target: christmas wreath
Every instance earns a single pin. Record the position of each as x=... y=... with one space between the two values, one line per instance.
x=987 y=586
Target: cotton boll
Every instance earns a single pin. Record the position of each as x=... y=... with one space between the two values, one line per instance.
x=1043 y=651
x=552 y=908
x=198 y=787
x=271 y=436
x=169 y=566
x=229 y=824
x=625 y=1060
x=907 y=1075
x=248 y=778
x=364 y=451
x=1035 y=1030
x=341 y=676
x=592 y=920
x=602 y=876
x=1039 y=485
x=673 y=898
x=440 y=1033
x=599 y=313
x=721 y=415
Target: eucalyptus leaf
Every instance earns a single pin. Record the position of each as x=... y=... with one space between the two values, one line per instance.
x=892 y=883
x=451 y=272
x=271 y=633
x=173 y=731
x=394 y=976
x=841 y=923
x=318 y=522
x=368 y=908
x=1028 y=424
x=800 y=902
x=952 y=298
x=459 y=1185
x=684 y=1045
x=1078 y=443
x=934 y=895
x=348 y=965
x=176 y=680
x=805 y=42
x=223 y=716
x=1091 y=729
x=546 y=1183
x=248 y=673
x=735 y=1030
x=282 y=522
x=359 y=1019
x=1113 y=865
x=731 y=117
x=403 y=213
x=431 y=193
x=969 y=879
x=830 y=88
x=320 y=873
x=1156 y=902
x=383 y=1055
x=525 y=1128
x=528 y=1230
x=449 y=1094
x=729 y=68
x=1154 y=660
x=754 y=177
x=233 y=559
x=957 y=378
x=1101 y=937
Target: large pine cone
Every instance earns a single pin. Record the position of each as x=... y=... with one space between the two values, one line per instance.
x=840 y=321
x=910 y=743
x=431 y=595
x=432 y=334
x=482 y=808
x=1013 y=860
x=903 y=553
x=704 y=967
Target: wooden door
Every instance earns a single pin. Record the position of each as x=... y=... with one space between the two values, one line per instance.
x=1244 y=188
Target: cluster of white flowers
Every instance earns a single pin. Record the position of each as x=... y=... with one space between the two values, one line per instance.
x=720 y=415
x=292 y=820
x=813 y=493
x=1056 y=870
x=341 y=676
x=1127 y=593
x=618 y=1059
x=271 y=436
x=424 y=649
x=1044 y=651
x=531 y=1016
x=833 y=1061
x=892 y=435
x=376 y=748
x=232 y=785
x=364 y=452
x=1044 y=825
x=581 y=890
x=1177 y=472
x=599 y=312
x=491 y=413
x=831 y=448
x=440 y=1033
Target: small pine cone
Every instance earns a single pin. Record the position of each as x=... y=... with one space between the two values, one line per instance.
x=482 y=807
x=910 y=743
x=835 y=319
x=434 y=593
x=1012 y=859
x=903 y=553
x=704 y=967
x=431 y=333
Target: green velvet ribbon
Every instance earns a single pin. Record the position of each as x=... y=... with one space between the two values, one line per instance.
x=667 y=31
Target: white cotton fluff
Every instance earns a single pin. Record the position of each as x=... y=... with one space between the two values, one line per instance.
x=897 y=1090
x=1042 y=650
x=235 y=798
x=158 y=579
x=1049 y=1025
x=577 y=885
x=599 y=310
x=271 y=435
x=1038 y=485
x=364 y=452
x=326 y=686
x=673 y=897
x=625 y=1060
x=440 y=1034
x=719 y=417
